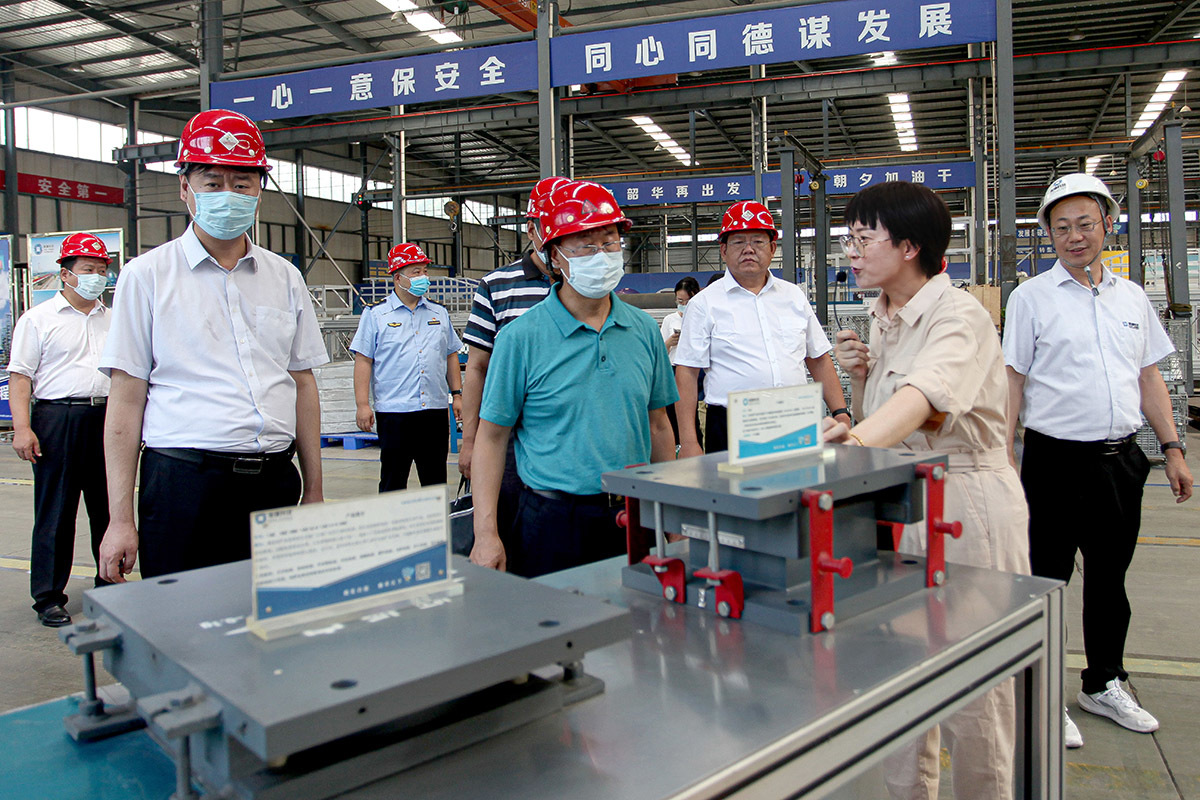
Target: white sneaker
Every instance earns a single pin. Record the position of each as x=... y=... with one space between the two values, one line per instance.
x=1072 y=738
x=1117 y=704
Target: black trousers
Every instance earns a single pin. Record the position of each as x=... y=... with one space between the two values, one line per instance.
x=420 y=436
x=557 y=534
x=1087 y=497
x=716 y=429
x=72 y=463
x=198 y=515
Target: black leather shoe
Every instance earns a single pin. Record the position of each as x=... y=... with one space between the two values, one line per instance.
x=54 y=617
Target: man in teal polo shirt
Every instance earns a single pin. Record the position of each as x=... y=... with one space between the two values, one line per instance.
x=583 y=381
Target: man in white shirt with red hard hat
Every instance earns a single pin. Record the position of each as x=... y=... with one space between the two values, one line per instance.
x=748 y=330
x=56 y=349
x=1081 y=348
x=211 y=351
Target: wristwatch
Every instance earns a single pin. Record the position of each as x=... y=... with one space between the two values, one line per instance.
x=1165 y=446
x=455 y=391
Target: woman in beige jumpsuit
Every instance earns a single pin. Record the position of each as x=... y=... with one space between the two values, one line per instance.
x=933 y=379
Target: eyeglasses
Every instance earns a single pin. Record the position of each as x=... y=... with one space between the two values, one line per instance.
x=856 y=246
x=1063 y=231
x=758 y=243
x=593 y=249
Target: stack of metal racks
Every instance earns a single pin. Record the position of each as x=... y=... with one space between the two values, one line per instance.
x=1171 y=368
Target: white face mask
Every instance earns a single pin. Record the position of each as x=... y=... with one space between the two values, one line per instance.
x=680 y=309
x=596 y=275
x=89 y=287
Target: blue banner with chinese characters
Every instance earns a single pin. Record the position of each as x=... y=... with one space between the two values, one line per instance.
x=770 y=36
x=732 y=188
x=399 y=81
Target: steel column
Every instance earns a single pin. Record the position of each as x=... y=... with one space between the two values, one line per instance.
x=787 y=175
x=758 y=132
x=549 y=127
x=212 y=47
x=1133 y=207
x=821 y=247
x=1006 y=213
x=1178 y=292
x=11 y=209
x=695 y=211
x=979 y=196
x=399 y=184
x=132 y=222
x=364 y=215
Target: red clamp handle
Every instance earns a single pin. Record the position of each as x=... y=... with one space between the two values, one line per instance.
x=838 y=566
x=823 y=566
x=730 y=592
x=935 y=504
x=671 y=574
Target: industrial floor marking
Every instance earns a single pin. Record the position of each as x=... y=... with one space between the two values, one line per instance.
x=1146 y=666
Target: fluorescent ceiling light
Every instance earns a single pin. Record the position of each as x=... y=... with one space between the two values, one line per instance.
x=1092 y=163
x=424 y=21
x=444 y=37
x=884 y=59
x=902 y=119
x=1158 y=101
x=663 y=138
x=398 y=5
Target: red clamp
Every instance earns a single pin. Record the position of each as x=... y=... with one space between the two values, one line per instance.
x=731 y=595
x=637 y=538
x=823 y=565
x=935 y=504
x=672 y=575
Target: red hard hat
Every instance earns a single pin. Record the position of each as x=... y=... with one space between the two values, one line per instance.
x=84 y=245
x=405 y=254
x=747 y=215
x=222 y=137
x=581 y=206
x=540 y=195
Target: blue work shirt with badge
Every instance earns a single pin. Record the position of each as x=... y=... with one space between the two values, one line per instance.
x=409 y=348
x=578 y=400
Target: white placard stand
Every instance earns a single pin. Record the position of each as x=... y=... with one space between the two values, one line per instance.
x=768 y=426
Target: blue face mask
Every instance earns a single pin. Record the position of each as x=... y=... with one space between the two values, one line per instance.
x=596 y=275
x=418 y=286
x=224 y=215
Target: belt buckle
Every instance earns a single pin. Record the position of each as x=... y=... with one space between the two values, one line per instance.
x=247 y=466
x=97 y=401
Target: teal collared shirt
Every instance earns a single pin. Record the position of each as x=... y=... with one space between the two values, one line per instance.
x=409 y=348
x=578 y=400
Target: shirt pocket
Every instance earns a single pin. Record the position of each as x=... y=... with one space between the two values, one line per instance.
x=793 y=336
x=275 y=329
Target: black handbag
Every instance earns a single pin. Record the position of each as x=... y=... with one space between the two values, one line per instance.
x=462 y=520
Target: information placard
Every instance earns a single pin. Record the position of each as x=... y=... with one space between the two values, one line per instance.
x=318 y=562
x=772 y=424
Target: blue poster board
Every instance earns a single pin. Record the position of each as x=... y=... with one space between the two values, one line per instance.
x=43 y=249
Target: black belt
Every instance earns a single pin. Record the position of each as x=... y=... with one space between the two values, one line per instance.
x=1103 y=447
x=602 y=499
x=75 y=401
x=238 y=463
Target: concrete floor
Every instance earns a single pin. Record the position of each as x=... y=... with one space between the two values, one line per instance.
x=1163 y=651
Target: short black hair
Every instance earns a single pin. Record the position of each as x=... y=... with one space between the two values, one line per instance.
x=68 y=263
x=688 y=284
x=909 y=212
x=716 y=276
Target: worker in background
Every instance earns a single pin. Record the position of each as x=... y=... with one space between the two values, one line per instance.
x=687 y=288
x=582 y=380
x=749 y=330
x=501 y=297
x=933 y=379
x=56 y=349
x=211 y=351
x=406 y=355
x=1082 y=348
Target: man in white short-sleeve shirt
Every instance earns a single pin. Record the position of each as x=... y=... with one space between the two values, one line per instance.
x=749 y=330
x=211 y=351
x=55 y=351
x=1081 y=348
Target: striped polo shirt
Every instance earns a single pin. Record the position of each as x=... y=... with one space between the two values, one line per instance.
x=502 y=296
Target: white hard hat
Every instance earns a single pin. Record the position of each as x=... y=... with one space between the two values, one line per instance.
x=1077 y=183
